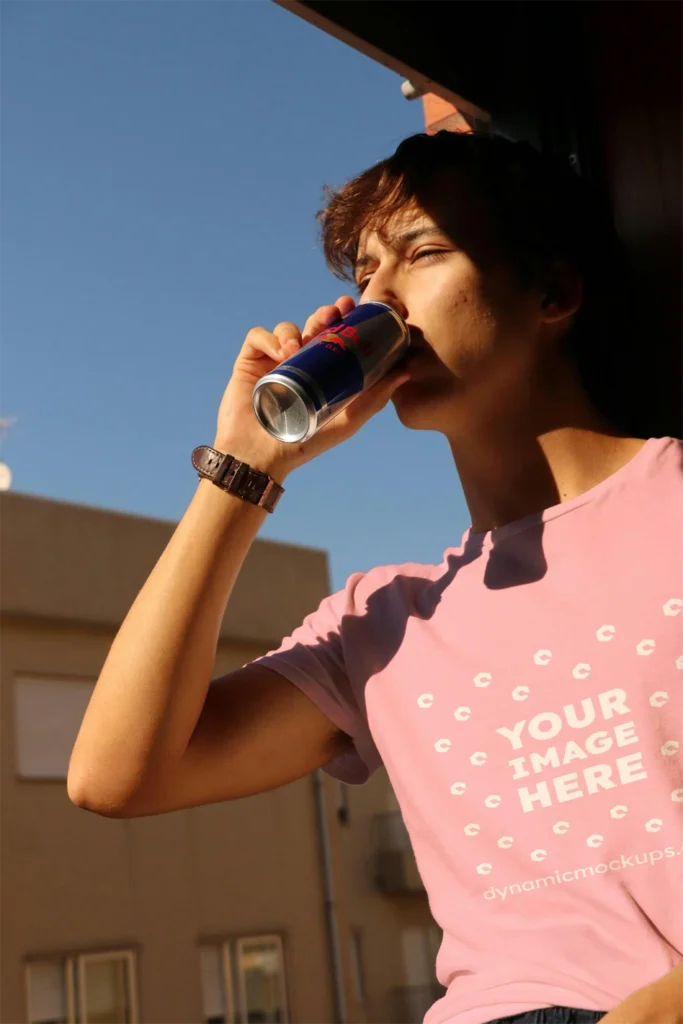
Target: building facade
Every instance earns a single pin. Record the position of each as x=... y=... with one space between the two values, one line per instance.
x=302 y=904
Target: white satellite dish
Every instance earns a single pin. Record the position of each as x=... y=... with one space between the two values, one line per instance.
x=5 y=477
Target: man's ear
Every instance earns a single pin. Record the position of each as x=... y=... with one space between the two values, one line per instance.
x=561 y=293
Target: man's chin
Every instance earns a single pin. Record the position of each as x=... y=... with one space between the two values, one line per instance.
x=420 y=405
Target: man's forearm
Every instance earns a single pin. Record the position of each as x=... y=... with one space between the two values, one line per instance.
x=661 y=1002
x=675 y=978
x=669 y=996
x=154 y=682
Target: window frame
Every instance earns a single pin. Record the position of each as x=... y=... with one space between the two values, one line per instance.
x=234 y=987
x=282 y=977
x=73 y=967
x=225 y=965
x=21 y=679
x=128 y=957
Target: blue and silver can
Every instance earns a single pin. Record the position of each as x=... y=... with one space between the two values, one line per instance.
x=330 y=371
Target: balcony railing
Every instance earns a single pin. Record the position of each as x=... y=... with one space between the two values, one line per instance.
x=395 y=870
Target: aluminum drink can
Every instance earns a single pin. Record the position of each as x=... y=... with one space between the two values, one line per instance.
x=330 y=371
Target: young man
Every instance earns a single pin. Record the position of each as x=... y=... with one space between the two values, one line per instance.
x=525 y=694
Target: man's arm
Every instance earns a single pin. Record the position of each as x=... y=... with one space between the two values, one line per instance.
x=661 y=1002
x=257 y=731
x=148 y=720
x=154 y=682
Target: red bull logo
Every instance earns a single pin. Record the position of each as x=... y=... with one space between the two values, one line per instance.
x=335 y=339
x=344 y=331
x=333 y=344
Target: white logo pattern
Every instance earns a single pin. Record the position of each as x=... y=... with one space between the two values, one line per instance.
x=582 y=670
x=520 y=693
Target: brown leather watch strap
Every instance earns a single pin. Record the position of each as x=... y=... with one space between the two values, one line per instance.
x=237 y=477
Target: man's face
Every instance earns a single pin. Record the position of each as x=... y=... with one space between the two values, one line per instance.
x=475 y=329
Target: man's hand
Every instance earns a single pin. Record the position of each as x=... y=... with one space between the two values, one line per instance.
x=239 y=433
x=661 y=1002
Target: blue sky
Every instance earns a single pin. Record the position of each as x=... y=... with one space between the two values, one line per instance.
x=161 y=167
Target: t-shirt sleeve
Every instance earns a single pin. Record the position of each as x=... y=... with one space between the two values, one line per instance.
x=313 y=659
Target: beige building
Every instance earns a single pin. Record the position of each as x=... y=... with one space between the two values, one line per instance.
x=298 y=905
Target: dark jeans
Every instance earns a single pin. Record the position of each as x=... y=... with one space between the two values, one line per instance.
x=553 y=1015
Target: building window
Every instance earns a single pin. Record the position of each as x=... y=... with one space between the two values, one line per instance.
x=47 y=716
x=93 y=988
x=357 y=968
x=258 y=995
x=216 y=974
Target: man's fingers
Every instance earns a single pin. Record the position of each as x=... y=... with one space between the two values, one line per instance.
x=286 y=332
x=288 y=336
x=322 y=318
x=383 y=389
x=327 y=315
x=345 y=304
x=351 y=419
x=370 y=402
x=259 y=342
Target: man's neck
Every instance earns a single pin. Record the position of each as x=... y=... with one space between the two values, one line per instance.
x=514 y=469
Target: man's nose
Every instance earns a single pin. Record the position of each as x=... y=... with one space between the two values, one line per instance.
x=386 y=295
x=383 y=287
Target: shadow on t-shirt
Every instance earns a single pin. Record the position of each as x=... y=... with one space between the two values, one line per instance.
x=517 y=559
x=513 y=561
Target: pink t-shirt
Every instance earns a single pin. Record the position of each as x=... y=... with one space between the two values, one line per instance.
x=526 y=698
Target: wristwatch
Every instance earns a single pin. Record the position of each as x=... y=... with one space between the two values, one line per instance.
x=237 y=477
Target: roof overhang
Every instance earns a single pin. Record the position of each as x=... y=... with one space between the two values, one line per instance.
x=481 y=57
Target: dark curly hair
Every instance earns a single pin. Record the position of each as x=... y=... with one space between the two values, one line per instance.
x=541 y=212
